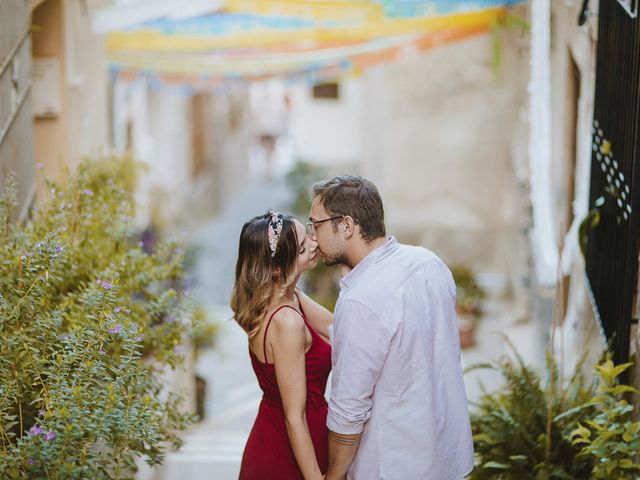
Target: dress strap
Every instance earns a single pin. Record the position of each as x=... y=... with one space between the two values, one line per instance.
x=266 y=329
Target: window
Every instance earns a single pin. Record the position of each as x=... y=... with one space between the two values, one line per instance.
x=329 y=91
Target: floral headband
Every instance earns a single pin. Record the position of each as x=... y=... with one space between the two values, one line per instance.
x=275 y=229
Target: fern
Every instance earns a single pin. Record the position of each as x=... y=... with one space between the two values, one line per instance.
x=510 y=425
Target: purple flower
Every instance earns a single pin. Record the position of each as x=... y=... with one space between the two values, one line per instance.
x=35 y=430
x=127 y=311
x=39 y=166
x=135 y=327
x=106 y=285
x=41 y=413
x=138 y=338
x=98 y=281
x=117 y=309
x=116 y=329
x=171 y=319
x=30 y=461
x=86 y=191
x=53 y=190
x=50 y=435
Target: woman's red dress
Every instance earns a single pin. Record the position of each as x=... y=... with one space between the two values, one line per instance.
x=268 y=454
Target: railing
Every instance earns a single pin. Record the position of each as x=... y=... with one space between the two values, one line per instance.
x=612 y=248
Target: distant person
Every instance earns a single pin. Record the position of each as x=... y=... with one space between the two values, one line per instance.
x=289 y=350
x=398 y=406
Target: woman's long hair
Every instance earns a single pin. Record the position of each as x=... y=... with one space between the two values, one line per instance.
x=258 y=275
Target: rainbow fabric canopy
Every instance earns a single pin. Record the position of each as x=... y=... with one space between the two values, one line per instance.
x=295 y=39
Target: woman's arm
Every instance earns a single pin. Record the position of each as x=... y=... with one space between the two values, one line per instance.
x=288 y=346
x=319 y=317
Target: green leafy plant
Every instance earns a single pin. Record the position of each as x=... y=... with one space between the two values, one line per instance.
x=87 y=318
x=610 y=439
x=469 y=293
x=521 y=430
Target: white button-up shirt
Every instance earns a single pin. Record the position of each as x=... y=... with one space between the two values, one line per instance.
x=397 y=377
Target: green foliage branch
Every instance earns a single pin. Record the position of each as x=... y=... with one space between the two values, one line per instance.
x=521 y=430
x=87 y=320
x=610 y=438
x=556 y=430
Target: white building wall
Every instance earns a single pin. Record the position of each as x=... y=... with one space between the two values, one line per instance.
x=434 y=131
x=580 y=331
x=86 y=81
x=330 y=132
x=439 y=140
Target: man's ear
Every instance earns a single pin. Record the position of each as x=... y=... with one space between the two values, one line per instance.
x=348 y=226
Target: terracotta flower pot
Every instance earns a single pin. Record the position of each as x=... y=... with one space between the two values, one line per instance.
x=466 y=330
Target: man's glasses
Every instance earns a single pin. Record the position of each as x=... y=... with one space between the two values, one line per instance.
x=313 y=224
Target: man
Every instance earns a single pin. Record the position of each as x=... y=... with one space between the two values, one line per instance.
x=398 y=407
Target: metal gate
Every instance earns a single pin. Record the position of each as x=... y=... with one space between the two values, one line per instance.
x=612 y=248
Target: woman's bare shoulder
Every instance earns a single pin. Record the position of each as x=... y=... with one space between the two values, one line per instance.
x=288 y=320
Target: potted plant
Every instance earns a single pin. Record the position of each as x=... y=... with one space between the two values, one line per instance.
x=468 y=303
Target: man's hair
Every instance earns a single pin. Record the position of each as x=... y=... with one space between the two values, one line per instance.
x=357 y=197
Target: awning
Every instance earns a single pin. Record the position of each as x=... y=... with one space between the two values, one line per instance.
x=310 y=40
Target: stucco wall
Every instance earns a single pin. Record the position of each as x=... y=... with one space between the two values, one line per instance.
x=440 y=133
x=573 y=48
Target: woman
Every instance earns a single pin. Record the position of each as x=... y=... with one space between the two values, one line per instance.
x=289 y=350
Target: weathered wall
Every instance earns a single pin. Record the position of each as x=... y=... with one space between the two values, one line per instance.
x=80 y=128
x=440 y=133
x=573 y=51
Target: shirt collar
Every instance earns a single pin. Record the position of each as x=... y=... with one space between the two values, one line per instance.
x=373 y=257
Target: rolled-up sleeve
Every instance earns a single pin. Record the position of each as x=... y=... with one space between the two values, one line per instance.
x=361 y=345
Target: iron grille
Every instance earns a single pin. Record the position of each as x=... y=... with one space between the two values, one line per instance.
x=612 y=248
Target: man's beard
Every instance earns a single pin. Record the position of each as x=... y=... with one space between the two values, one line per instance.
x=335 y=260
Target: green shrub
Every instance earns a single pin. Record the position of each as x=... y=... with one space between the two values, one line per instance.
x=610 y=438
x=521 y=430
x=86 y=318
